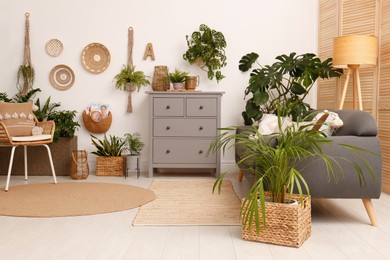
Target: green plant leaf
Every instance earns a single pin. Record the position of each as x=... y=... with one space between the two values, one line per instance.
x=247 y=60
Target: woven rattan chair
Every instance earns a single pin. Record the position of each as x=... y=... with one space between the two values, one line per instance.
x=33 y=140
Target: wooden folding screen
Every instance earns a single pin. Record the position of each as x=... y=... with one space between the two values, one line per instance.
x=367 y=17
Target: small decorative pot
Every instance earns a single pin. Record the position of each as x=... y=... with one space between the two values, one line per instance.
x=178 y=85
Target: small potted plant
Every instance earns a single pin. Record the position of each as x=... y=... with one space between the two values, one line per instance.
x=177 y=78
x=132 y=148
x=66 y=124
x=206 y=47
x=109 y=161
x=128 y=79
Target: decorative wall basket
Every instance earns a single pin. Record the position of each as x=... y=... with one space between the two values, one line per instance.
x=54 y=47
x=79 y=168
x=160 y=80
x=62 y=77
x=95 y=57
x=287 y=224
x=110 y=165
x=97 y=127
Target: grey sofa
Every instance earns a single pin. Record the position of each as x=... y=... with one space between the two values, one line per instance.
x=359 y=130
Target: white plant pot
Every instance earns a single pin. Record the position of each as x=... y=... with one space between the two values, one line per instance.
x=178 y=85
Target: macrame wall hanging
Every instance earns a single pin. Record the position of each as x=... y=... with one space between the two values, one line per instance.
x=26 y=73
x=129 y=86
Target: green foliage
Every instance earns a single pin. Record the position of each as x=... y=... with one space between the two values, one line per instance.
x=287 y=81
x=4 y=97
x=26 y=74
x=129 y=75
x=43 y=113
x=207 y=48
x=108 y=147
x=276 y=159
x=133 y=143
x=19 y=98
x=66 y=125
x=177 y=76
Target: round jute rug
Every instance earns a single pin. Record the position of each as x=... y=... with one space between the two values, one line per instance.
x=71 y=199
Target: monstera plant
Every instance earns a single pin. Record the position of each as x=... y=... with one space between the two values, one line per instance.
x=287 y=81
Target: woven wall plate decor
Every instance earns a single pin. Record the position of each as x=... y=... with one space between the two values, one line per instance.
x=62 y=77
x=95 y=57
x=54 y=47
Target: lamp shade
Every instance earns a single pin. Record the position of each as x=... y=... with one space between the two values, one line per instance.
x=355 y=50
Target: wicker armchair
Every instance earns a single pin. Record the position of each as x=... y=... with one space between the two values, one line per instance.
x=32 y=140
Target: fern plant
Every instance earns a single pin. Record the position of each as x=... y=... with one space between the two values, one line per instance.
x=111 y=146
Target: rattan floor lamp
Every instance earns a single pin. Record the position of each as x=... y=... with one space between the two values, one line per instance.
x=353 y=52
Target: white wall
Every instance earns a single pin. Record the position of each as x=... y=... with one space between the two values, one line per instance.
x=267 y=27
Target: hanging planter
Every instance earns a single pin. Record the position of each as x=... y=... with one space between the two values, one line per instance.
x=26 y=73
x=128 y=79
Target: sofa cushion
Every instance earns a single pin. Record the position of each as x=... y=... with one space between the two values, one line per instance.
x=357 y=123
x=18 y=118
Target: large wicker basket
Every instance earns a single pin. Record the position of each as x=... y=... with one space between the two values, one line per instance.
x=110 y=165
x=286 y=224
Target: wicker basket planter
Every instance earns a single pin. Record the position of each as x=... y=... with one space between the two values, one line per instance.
x=287 y=224
x=110 y=165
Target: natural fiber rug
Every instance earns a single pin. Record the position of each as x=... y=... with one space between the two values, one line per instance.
x=71 y=199
x=190 y=202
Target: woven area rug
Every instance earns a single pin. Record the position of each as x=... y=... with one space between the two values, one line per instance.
x=190 y=202
x=71 y=199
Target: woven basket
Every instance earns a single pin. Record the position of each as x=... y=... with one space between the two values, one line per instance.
x=160 y=80
x=97 y=127
x=286 y=224
x=79 y=168
x=110 y=165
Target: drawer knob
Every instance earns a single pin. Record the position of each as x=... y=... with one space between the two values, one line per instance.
x=200 y=128
x=200 y=107
x=200 y=152
x=167 y=151
x=168 y=107
x=168 y=127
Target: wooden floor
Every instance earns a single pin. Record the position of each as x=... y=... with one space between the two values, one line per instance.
x=340 y=230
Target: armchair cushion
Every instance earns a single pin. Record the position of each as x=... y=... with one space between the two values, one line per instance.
x=18 y=118
x=30 y=138
x=357 y=123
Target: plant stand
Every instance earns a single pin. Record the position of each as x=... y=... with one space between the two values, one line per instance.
x=129 y=164
x=286 y=224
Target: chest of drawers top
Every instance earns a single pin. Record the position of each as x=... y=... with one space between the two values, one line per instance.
x=185 y=104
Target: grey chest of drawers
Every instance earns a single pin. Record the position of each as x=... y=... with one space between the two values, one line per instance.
x=182 y=126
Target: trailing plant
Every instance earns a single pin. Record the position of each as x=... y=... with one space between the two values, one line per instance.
x=287 y=81
x=66 y=125
x=128 y=74
x=206 y=47
x=25 y=79
x=276 y=160
x=177 y=76
x=108 y=147
x=133 y=143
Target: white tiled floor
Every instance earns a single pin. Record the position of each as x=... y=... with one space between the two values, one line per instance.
x=340 y=230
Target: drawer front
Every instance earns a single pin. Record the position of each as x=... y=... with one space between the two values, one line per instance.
x=185 y=127
x=168 y=107
x=202 y=107
x=182 y=151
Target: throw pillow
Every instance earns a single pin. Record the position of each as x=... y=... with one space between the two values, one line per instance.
x=18 y=118
x=327 y=122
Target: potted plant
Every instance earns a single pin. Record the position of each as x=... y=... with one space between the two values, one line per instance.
x=275 y=162
x=26 y=74
x=287 y=82
x=133 y=145
x=177 y=78
x=128 y=79
x=66 y=125
x=109 y=161
x=206 y=47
